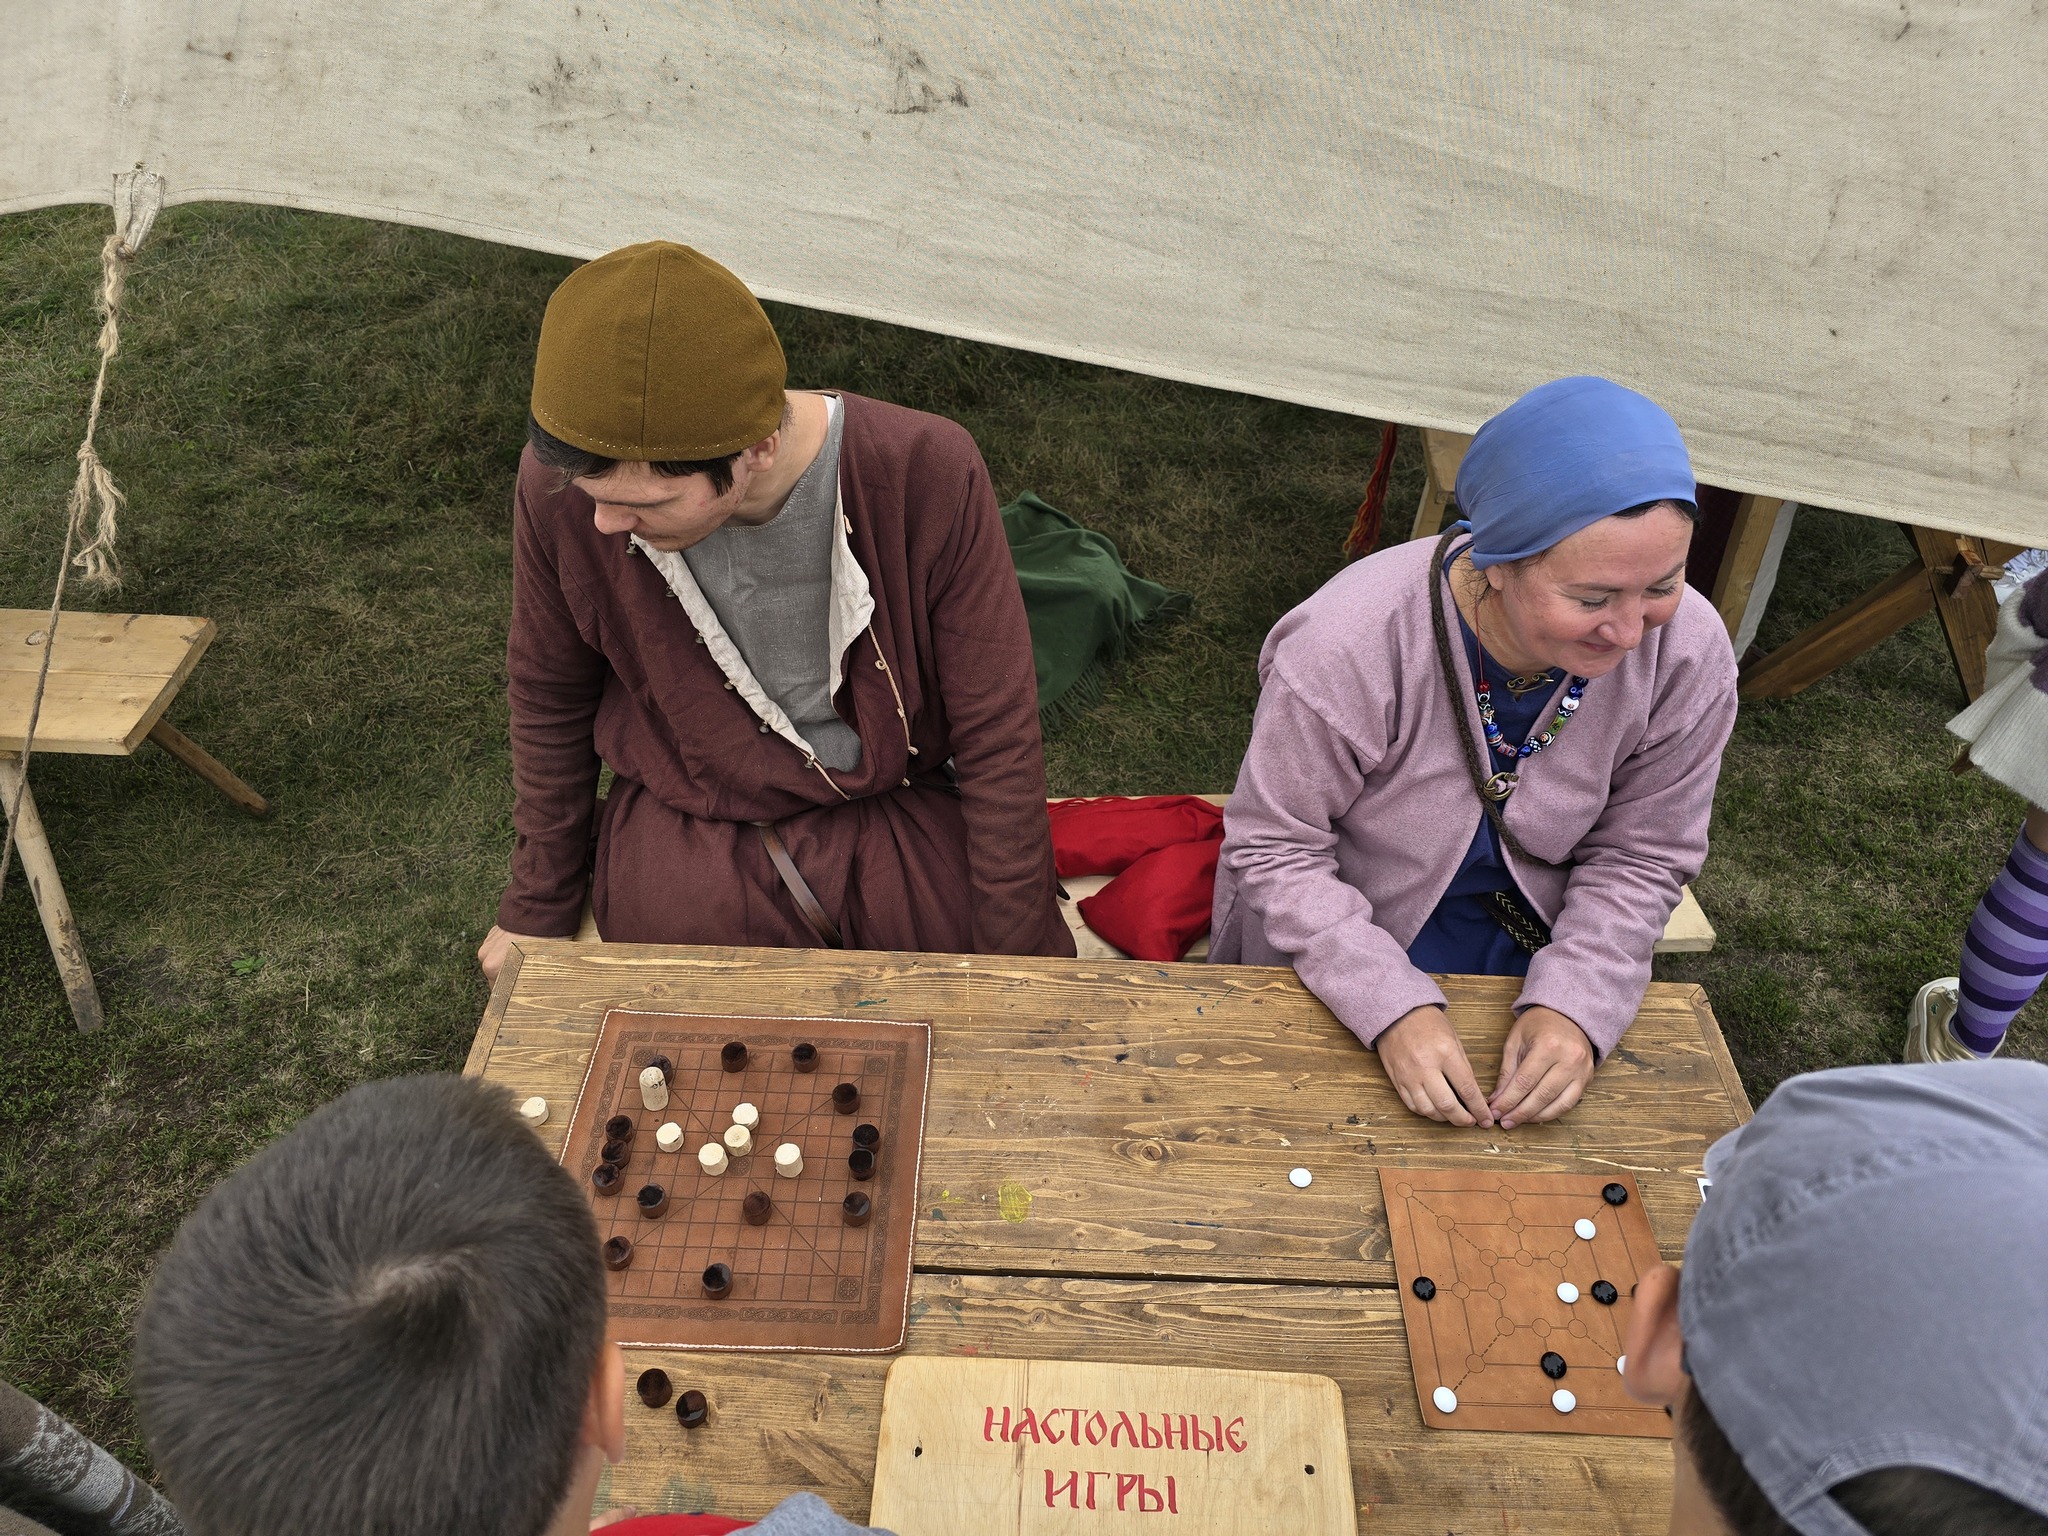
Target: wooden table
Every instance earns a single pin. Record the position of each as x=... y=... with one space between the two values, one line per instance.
x=1105 y=1178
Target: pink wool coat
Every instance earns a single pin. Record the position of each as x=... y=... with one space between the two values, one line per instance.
x=1354 y=805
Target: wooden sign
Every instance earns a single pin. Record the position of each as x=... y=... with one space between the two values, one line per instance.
x=986 y=1447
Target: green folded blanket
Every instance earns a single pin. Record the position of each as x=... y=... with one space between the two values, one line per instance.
x=1085 y=608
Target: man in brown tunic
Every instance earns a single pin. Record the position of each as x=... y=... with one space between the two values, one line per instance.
x=788 y=623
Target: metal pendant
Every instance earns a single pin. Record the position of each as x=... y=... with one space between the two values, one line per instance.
x=1500 y=785
x=1529 y=682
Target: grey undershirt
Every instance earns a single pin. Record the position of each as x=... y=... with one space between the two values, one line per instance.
x=771 y=586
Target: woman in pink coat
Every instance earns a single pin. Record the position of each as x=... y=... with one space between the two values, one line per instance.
x=1492 y=754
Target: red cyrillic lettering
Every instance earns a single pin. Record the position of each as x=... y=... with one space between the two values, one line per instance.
x=988 y=1429
x=1074 y=1429
x=1027 y=1424
x=1070 y=1489
x=1045 y=1425
x=1158 y=1500
x=1232 y=1438
x=1096 y=1427
x=1091 y=1486
x=1179 y=1421
x=1153 y=1440
x=1125 y=1482
x=1203 y=1442
x=1172 y=1499
x=1123 y=1426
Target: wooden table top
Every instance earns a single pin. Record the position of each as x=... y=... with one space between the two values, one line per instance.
x=1105 y=1177
x=111 y=678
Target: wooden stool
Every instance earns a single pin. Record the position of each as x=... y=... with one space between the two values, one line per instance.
x=112 y=676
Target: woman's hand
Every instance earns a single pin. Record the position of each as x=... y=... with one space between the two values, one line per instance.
x=496 y=949
x=1544 y=1067
x=1427 y=1067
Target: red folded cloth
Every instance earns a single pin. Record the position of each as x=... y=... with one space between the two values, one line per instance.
x=677 y=1525
x=1104 y=836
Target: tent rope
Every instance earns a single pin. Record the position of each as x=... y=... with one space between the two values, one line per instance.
x=137 y=197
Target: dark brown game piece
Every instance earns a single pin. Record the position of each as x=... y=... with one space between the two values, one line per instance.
x=668 y=1069
x=1605 y=1293
x=1424 y=1288
x=868 y=1136
x=804 y=1057
x=717 y=1280
x=757 y=1208
x=606 y=1179
x=653 y=1386
x=620 y=1129
x=1615 y=1194
x=846 y=1098
x=734 y=1056
x=855 y=1209
x=862 y=1162
x=692 y=1408
x=653 y=1201
x=618 y=1252
x=615 y=1153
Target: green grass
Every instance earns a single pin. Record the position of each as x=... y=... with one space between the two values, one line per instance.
x=316 y=421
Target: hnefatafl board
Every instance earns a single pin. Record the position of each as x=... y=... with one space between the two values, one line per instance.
x=811 y=1274
x=1516 y=1292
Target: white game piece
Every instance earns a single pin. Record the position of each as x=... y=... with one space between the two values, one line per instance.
x=747 y=1115
x=653 y=1088
x=789 y=1159
x=1301 y=1178
x=1445 y=1399
x=711 y=1158
x=668 y=1136
x=1584 y=1228
x=739 y=1141
x=1563 y=1401
x=1621 y=1364
x=534 y=1111
x=1567 y=1292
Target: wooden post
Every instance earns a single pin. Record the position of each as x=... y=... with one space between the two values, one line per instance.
x=203 y=763
x=1962 y=597
x=1847 y=632
x=1442 y=453
x=39 y=868
x=1756 y=517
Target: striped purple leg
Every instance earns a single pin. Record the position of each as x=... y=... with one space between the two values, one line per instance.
x=2005 y=952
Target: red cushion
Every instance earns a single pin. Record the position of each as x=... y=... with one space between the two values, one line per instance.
x=677 y=1525
x=1160 y=905
x=1105 y=836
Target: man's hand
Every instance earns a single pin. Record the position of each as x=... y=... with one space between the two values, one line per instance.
x=1544 y=1067
x=1427 y=1067
x=496 y=949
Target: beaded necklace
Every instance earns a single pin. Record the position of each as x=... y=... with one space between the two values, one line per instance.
x=1501 y=785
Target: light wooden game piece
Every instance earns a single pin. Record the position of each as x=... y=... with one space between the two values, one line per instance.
x=653 y=1090
x=1621 y=1365
x=1563 y=1401
x=1301 y=1178
x=1445 y=1399
x=711 y=1158
x=739 y=1141
x=1567 y=1292
x=1584 y=1228
x=534 y=1111
x=668 y=1136
x=747 y=1115
x=789 y=1159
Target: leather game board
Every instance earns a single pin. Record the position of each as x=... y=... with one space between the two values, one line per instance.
x=804 y=1279
x=1493 y=1250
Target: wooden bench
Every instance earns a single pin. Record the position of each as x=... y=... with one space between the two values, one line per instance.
x=111 y=678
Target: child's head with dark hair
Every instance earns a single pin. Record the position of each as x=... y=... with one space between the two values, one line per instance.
x=391 y=1319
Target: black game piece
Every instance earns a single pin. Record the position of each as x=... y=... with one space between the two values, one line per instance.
x=804 y=1057
x=668 y=1069
x=615 y=1153
x=653 y=1386
x=846 y=1098
x=1553 y=1365
x=862 y=1162
x=653 y=1200
x=1424 y=1288
x=606 y=1179
x=620 y=1129
x=757 y=1208
x=717 y=1281
x=1605 y=1293
x=1615 y=1194
x=733 y=1057
x=855 y=1209
x=618 y=1252
x=868 y=1136
x=692 y=1408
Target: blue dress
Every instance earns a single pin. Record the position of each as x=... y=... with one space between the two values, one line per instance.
x=1462 y=936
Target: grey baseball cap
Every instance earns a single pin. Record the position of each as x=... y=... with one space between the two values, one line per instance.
x=1865 y=1284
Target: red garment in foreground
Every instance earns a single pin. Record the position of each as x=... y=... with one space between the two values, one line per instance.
x=1162 y=850
x=678 y=1525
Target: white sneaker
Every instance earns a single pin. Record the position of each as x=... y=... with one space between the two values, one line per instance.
x=1928 y=1035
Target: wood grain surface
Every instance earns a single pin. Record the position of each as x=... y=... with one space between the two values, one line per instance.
x=111 y=676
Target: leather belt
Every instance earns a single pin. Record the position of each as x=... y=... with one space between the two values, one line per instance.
x=793 y=881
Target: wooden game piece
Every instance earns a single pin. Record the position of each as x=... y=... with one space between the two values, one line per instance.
x=747 y=1115
x=739 y=1141
x=717 y=1281
x=1585 y=1229
x=534 y=1111
x=855 y=1209
x=1563 y=1400
x=1621 y=1365
x=1424 y=1288
x=653 y=1201
x=692 y=1408
x=615 y=1153
x=653 y=1088
x=1300 y=1178
x=620 y=1129
x=1552 y=1365
x=618 y=1252
x=861 y=1162
x=1605 y=1293
x=1445 y=1399
x=711 y=1158
x=757 y=1208
x=869 y=1136
x=1614 y=1194
x=789 y=1159
x=653 y=1386
x=734 y=1056
x=846 y=1098
x=804 y=1057
x=668 y=1069
x=606 y=1179
x=1567 y=1292
x=668 y=1136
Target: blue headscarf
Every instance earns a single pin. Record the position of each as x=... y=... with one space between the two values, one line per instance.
x=1567 y=454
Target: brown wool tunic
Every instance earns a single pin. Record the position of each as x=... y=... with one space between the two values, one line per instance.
x=605 y=664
